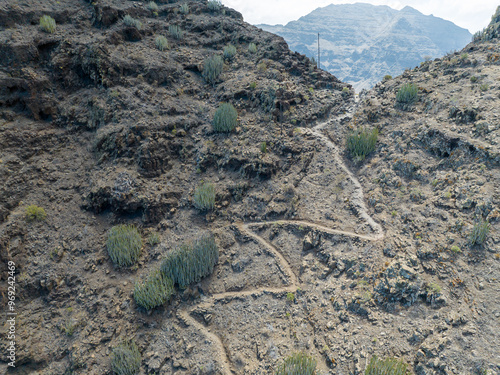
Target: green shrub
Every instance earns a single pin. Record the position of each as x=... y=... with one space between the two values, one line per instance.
x=268 y=99
x=387 y=77
x=229 y=52
x=184 y=8
x=191 y=261
x=130 y=21
x=152 y=6
x=126 y=359
x=154 y=291
x=175 y=31
x=204 y=197
x=48 y=24
x=124 y=245
x=479 y=232
x=473 y=79
x=161 y=43
x=35 y=213
x=214 y=5
x=263 y=147
x=389 y=366
x=212 y=69
x=252 y=48
x=298 y=364
x=154 y=239
x=225 y=118
x=456 y=249
x=361 y=142
x=406 y=95
x=484 y=87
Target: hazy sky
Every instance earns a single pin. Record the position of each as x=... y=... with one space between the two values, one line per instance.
x=469 y=14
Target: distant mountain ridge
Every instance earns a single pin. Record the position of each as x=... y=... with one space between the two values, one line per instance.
x=360 y=43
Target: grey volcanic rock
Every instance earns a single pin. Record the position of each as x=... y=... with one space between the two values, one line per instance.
x=360 y=43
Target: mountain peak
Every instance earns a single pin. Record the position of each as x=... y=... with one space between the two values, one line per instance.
x=361 y=43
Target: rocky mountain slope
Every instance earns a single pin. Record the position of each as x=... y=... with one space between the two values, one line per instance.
x=361 y=43
x=319 y=253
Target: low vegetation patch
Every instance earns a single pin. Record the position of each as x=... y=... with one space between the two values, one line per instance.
x=152 y=6
x=406 y=96
x=161 y=43
x=229 y=52
x=48 y=24
x=204 y=197
x=479 y=233
x=252 y=48
x=175 y=32
x=35 y=213
x=191 y=261
x=214 y=5
x=184 y=8
x=298 y=364
x=126 y=359
x=389 y=366
x=361 y=142
x=225 y=118
x=132 y=22
x=124 y=245
x=212 y=69
x=154 y=291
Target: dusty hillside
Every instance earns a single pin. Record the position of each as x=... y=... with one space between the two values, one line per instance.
x=319 y=254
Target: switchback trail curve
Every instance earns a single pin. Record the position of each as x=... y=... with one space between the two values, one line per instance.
x=357 y=199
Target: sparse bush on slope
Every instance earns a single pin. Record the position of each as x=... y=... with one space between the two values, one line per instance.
x=124 y=245
x=126 y=359
x=406 y=96
x=204 y=197
x=298 y=364
x=212 y=69
x=362 y=142
x=389 y=366
x=225 y=118
x=191 y=261
x=154 y=291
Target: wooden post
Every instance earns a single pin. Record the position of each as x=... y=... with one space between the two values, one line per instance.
x=319 y=55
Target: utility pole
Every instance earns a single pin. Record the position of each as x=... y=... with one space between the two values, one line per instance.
x=319 y=55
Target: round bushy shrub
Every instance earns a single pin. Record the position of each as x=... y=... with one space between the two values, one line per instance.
x=154 y=291
x=161 y=43
x=298 y=364
x=479 y=232
x=204 y=197
x=184 y=8
x=130 y=21
x=152 y=6
x=225 y=118
x=229 y=52
x=214 y=5
x=124 y=245
x=126 y=359
x=252 y=48
x=191 y=261
x=406 y=95
x=35 y=213
x=212 y=69
x=175 y=31
x=361 y=142
x=48 y=24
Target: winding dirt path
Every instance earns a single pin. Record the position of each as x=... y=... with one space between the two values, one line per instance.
x=357 y=200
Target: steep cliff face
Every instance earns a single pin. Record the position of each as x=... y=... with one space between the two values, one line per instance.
x=361 y=43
